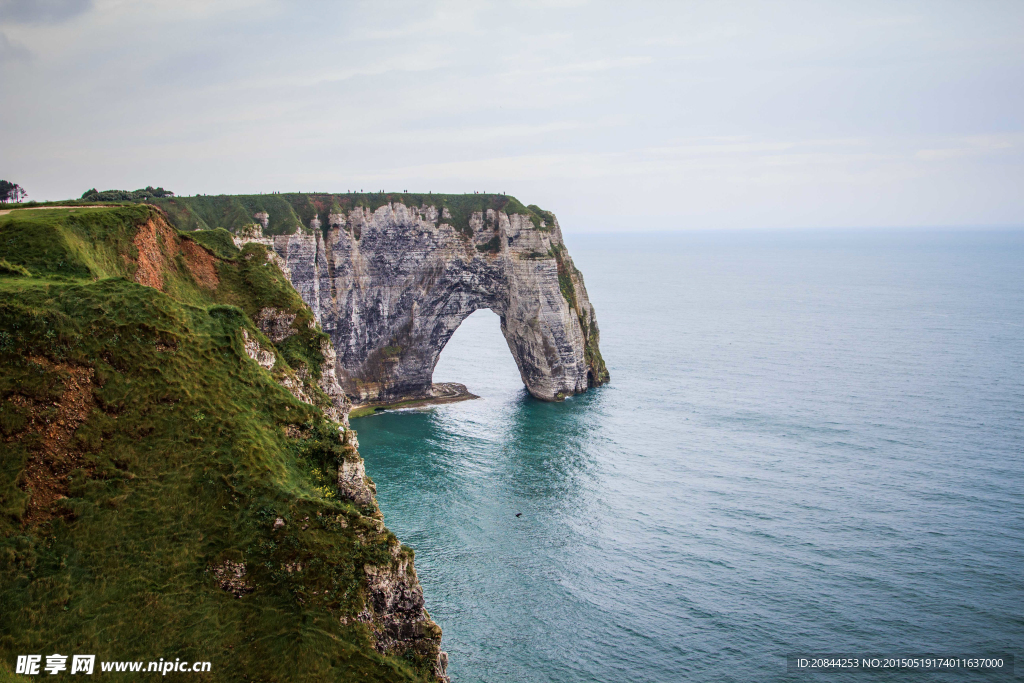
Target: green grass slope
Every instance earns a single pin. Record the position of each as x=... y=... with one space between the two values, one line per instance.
x=142 y=453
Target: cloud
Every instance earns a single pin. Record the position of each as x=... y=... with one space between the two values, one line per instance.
x=599 y=65
x=973 y=146
x=832 y=113
x=41 y=11
x=11 y=51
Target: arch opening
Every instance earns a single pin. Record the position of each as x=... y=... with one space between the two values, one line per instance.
x=477 y=355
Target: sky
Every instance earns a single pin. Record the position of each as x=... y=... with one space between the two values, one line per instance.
x=617 y=116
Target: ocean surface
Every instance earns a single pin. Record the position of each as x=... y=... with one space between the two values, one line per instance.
x=813 y=442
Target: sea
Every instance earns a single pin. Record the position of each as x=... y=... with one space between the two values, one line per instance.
x=812 y=443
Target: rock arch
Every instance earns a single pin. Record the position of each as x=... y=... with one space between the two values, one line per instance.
x=392 y=285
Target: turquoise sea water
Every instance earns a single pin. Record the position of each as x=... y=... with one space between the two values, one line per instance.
x=812 y=442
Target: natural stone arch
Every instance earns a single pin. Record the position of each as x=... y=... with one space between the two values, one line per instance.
x=391 y=286
x=492 y=321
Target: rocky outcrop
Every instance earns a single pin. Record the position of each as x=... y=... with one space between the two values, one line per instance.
x=277 y=326
x=232 y=578
x=353 y=484
x=394 y=609
x=396 y=615
x=265 y=359
x=329 y=384
x=251 y=231
x=391 y=286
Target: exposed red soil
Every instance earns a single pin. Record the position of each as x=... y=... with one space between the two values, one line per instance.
x=151 y=257
x=158 y=244
x=201 y=263
x=46 y=472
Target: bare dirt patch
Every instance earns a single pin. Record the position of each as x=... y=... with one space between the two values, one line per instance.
x=46 y=472
x=158 y=245
x=151 y=257
x=201 y=263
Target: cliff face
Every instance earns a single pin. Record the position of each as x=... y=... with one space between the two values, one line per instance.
x=391 y=285
x=394 y=608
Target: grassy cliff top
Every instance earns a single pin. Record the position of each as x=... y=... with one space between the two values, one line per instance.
x=290 y=210
x=144 y=457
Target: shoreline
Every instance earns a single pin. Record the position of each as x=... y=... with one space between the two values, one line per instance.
x=444 y=392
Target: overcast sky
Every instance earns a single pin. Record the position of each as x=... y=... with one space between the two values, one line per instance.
x=617 y=116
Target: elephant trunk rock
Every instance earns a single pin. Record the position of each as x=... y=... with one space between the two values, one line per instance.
x=391 y=286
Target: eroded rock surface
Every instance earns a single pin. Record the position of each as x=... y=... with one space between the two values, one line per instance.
x=353 y=484
x=394 y=609
x=396 y=615
x=232 y=578
x=277 y=326
x=391 y=286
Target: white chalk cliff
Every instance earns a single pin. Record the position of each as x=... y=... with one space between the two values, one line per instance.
x=390 y=287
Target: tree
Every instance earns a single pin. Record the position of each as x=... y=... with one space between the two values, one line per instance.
x=11 y=192
x=125 y=195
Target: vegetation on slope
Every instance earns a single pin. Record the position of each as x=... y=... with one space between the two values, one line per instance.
x=145 y=458
x=218 y=241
